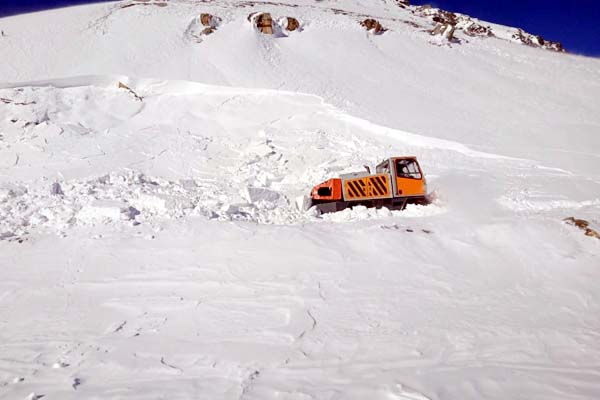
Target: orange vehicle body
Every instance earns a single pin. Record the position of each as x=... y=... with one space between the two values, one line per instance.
x=398 y=181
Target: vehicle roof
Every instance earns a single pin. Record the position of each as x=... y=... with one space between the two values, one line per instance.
x=403 y=158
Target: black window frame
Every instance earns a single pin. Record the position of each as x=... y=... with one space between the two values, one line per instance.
x=408 y=162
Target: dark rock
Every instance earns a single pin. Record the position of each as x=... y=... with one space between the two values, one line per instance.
x=210 y=20
x=537 y=41
x=56 y=190
x=554 y=46
x=374 y=25
x=475 y=29
x=583 y=225
x=523 y=38
x=580 y=223
x=437 y=15
x=205 y=19
x=264 y=23
x=444 y=29
x=292 y=24
x=445 y=17
x=130 y=213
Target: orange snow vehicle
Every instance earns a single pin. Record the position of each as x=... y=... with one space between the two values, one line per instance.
x=397 y=181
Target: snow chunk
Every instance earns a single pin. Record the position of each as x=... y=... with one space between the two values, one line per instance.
x=104 y=211
x=260 y=195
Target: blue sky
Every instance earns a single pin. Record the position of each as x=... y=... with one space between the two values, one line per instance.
x=575 y=23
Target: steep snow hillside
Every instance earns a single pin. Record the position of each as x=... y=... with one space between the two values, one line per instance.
x=489 y=92
x=152 y=160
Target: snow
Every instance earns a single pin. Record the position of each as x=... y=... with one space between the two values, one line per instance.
x=151 y=243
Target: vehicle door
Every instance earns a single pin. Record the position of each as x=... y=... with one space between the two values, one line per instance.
x=409 y=177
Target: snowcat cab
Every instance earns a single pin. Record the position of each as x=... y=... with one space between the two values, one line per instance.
x=397 y=181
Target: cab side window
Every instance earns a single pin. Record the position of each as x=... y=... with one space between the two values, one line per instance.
x=383 y=168
x=408 y=169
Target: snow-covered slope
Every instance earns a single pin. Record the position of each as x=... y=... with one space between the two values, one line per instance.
x=150 y=240
x=484 y=91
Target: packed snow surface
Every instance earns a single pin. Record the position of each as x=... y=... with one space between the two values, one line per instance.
x=151 y=242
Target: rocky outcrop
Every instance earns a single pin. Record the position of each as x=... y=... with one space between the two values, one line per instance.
x=203 y=25
x=263 y=22
x=554 y=46
x=445 y=30
x=209 y=22
x=266 y=24
x=373 y=25
x=403 y=3
x=292 y=24
x=445 y=17
x=524 y=38
x=436 y=15
x=537 y=41
x=472 y=28
x=445 y=21
x=583 y=225
x=206 y=19
x=442 y=21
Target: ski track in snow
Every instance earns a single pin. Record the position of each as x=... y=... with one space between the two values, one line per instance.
x=150 y=240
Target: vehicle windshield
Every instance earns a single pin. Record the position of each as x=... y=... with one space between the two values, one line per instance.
x=408 y=169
